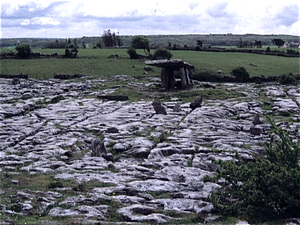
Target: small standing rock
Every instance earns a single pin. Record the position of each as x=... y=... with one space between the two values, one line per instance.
x=98 y=148
x=196 y=104
x=256 y=119
x=15 y=81
x=177 y=107
x=159 y=109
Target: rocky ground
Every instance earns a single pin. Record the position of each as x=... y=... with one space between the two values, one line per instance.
x=49 y=175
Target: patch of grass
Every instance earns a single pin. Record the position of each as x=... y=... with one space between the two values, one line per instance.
x=95 y=62
x=90 y=185
x=226 y=221
x=36 y=184
x=190 y=162
x=226 y=61
x=189 y=96
x=183 y=218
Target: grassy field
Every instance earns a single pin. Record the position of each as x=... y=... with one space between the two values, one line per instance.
x=94 y=62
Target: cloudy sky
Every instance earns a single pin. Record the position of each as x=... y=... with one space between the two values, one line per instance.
x=77 y=18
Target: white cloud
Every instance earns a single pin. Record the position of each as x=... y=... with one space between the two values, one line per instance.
x=84 y=18
x=25 y=22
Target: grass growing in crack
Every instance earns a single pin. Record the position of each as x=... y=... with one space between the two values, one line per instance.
x=33 y=184
x=37 y=185
x=191 y=95
x=162 y=137
x=183 y=218
x=117 y=155
x=90 y=185
x=190 y=162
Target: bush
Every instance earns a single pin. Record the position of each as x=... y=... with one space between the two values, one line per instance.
x=198 y=48
x=267 y=188
x=132 y=53
x=161 y=53
x=71 y=51
x=24 y=51
x=287 y=79
x=207 y=76
x=240 y=73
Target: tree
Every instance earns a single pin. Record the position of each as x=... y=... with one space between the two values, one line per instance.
x=24 y=51
x=161 y=53
x=140 y=42
x=200 y=43
x=240 y=43
x=258 y=44
x=265 y=188
x=71 y=51
x=132 y=53
x=279 y=42
x=99 y=45
x=111 y=39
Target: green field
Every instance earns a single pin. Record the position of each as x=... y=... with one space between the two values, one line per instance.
x=94 y=62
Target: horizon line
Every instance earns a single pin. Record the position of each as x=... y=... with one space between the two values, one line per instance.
x=187 y=34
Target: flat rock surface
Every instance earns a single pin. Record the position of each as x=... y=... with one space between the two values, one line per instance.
x=159 y=160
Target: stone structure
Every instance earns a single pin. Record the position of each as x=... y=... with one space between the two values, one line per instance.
x=167 y=72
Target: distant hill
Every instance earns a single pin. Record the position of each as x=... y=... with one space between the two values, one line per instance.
x=213 y=40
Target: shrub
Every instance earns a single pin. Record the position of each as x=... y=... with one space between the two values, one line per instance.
x=240 y=73
x=162 y=53
x=132 y=53
x=24 y=51
x=207 y=76
x=266 y=188
x=287 y=79
x=71 y=51
x=198 y=48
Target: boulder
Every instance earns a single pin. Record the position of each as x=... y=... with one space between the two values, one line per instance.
x=196 y=103
x=98 y=148
x=15 y=81
x=177 y=107
x=158 y=107
x=112 y=130
x=256 y=130
x=108 y=157
x=148 y=68
x=256 y=119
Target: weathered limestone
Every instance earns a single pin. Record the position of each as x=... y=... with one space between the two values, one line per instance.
x=148 y=155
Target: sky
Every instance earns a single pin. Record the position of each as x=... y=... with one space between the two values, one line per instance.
x=78 y=18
